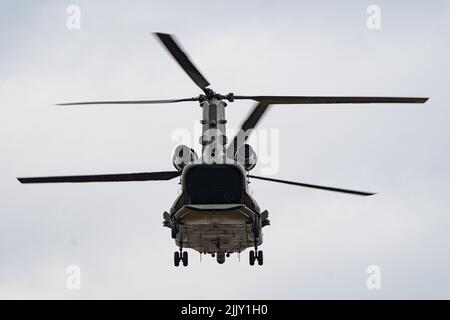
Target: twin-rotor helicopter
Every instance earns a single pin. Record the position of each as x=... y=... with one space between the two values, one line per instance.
x=215 y=213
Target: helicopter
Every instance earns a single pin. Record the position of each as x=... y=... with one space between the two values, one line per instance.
x=215 y=213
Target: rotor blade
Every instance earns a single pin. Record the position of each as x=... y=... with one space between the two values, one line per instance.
x=250 y=123
x=360 y=193
x=254 y=117
x=175 y=50
x=127 y=102
x=328 y=100
x=144 y=176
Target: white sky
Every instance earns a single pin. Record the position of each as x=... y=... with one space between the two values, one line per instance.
x=319 y=244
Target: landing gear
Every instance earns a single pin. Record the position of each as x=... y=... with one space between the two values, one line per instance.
x=185 y=258
x=256 y=255
x=176 y=258
x=180 y=256
x=220 y=257
x=260 y=257
x=174 y=228
x=252 y=257
x=255 y=229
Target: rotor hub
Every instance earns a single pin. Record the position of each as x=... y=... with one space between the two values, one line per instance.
x=211 y=94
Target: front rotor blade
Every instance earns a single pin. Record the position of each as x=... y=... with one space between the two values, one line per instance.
x=250 y=123
x=359 y=193
x=175 y=50
x=144 y=176
x=127 y=102
x=329 y=100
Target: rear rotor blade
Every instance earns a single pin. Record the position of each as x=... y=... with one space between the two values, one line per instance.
x=329 y=100
x=128 y=102
x=250 y=123
x=144 y=176
x=254 y=117
x=175 y=50
x=359 y=193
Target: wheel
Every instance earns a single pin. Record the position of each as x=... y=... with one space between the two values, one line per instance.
x=220 y=257
x=176 y=258
x=174 y=230
x=260 y=258
x=185 y=258
x=251 y=256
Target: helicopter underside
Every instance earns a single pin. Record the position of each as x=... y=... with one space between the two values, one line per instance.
x=216 y=229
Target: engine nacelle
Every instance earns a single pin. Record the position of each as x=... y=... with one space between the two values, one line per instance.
x=246 y=157
x=182 y=156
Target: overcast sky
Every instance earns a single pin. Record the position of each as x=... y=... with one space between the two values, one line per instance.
x=320 y=243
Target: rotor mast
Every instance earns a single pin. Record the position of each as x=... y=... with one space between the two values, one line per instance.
x=213 y=138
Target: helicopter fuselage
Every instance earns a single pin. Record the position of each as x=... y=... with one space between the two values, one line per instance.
x=214 y=213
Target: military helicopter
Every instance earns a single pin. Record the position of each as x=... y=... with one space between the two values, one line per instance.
x=215 y=213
